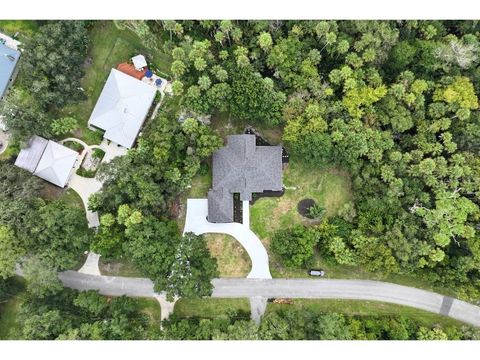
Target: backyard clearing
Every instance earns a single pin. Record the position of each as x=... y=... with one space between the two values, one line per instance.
x=330 y=188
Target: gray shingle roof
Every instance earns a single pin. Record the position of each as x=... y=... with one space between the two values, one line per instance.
x=220 y=206
x=244 y=168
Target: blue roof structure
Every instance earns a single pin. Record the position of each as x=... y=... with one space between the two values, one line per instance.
x=8 y=62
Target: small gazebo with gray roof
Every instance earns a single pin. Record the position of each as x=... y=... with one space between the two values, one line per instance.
x=244 y=168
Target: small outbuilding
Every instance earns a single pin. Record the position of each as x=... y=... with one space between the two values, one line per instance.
x=122 y=108
x=139 y=62
x=47 y=160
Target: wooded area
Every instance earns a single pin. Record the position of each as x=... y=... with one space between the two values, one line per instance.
x=392 y=103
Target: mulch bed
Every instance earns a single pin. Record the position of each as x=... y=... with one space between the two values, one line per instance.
x=266 y=193
x=303 y=207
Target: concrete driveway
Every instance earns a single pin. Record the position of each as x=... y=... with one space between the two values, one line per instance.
x=196 y=222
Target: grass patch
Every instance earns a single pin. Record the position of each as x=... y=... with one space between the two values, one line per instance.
x=330 y=188
x=98 y=154
x=109 y=47
x=210 y=307
x=9 y=328
x=69 y=196
x=86 y=173
x=11 y=151
x=367 y=308
x=8 y=318
x=200 y=186
x=75 y=146
x=118 y=267
x=232 y=259
x=25 y=28
x=151 y=308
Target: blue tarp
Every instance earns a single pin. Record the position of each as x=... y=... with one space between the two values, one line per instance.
x=8 y=62
x=148 y=73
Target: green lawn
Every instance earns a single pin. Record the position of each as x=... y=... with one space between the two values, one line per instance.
x=367 y=308
x=329 y=187
x=25 y=28
x=9 y=329
x=68 y=196
x=10 y=152
x=200 y=186
x=109 y=47
x=210 y=307
x=118 y=267
x=152 y=309
x=8 y=316
x=232 y=259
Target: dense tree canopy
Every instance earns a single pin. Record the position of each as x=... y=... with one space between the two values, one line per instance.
x=53 y=62
x=46 y=236
x=70 y=315
x=296 y=324
x=51 y=69
x=393 y=102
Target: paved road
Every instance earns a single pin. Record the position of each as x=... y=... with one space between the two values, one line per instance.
x=293 y=288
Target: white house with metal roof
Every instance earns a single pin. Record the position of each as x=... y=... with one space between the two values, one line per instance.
x=47 y=160
x=8 y=64
x=122 y=108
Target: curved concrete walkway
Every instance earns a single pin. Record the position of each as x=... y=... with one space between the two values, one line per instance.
x=85 y=187
x=196 y=222
x=81 y=142
x=292 y=288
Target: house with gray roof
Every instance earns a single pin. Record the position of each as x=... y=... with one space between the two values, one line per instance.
x=47 y=160
x=8 y=65
x=242 y=167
